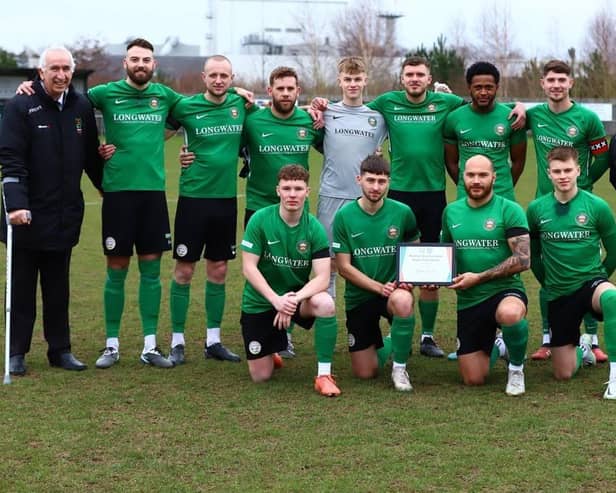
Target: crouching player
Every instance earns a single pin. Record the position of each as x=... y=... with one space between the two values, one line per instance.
x=567 y=229
x=282 y=244
x=366 y=232
x=492 y=247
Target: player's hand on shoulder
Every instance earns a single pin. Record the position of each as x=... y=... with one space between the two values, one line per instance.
x=319 y=104
x=318 y=121
x=518 y=113
x=249 y=96
x=25 y=88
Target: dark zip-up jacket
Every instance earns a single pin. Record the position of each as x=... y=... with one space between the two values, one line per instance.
x=43 y=153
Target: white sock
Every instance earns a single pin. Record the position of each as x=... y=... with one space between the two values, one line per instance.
x=398 y=365
x=516 y=367
x=595 y=339
x=289 y=337
x=500 y=344
x=149 y=343
x=212 y=336
x=113 y=342
x=426 y=336
x=546 y=339
x=324 y=369
x=177 y=338
x=612 y=371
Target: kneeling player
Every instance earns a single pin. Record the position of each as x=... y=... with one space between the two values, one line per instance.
x=366 y=232
x=568 y=227
x=283 y=243
x=492 y=247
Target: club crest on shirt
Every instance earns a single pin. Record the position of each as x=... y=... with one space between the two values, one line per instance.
x=393 y=232
x=234 y=113
x=572 y=131
x=302 y=133
x=489 y=224
x=302 y=246
x=372 y=121
x=154 y=103
x=78 y=126
x=499 y=129
x=432 y=108
x=581 y=218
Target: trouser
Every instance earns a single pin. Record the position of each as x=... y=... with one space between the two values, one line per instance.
x=53 y=267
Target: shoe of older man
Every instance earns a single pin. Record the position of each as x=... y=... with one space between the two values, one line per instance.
x=17 y=365
x=67 y=361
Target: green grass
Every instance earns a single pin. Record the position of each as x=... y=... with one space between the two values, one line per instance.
x=206 y=427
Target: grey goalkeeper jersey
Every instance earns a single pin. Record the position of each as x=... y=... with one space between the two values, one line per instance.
x=351 y=134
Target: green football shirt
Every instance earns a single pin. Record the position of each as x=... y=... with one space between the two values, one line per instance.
x=416 y=138
x=273 y=143
x=577 y=127
x=489 y=134
x=371 y=241
x=214 y=132
x=135 y=123
x=570 y=237
x=480 y=237
x=285 y=253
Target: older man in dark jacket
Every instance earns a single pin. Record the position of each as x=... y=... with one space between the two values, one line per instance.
x=46 y=141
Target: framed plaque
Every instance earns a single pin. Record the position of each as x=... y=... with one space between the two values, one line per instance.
x=426 y=263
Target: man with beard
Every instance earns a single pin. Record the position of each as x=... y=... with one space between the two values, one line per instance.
x=366 y=232
x=275 y=136
x=561 y=121
x=134 y=209
x=492 y=247
x=482 y=127
x=206 y=215
x=570 y=228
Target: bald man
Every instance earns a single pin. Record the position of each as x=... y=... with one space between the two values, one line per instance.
x=492 y=243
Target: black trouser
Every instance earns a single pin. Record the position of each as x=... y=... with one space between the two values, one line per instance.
x=53 y=267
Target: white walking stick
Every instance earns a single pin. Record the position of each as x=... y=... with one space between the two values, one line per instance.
x=7 y=295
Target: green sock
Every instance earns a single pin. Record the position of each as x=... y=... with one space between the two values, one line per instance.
x=290 y=328
x=608 y=307
x=402 y=337
x=516 y=338
x=591 y=324
x=325 y=331
x=494 y=355
x=384 y=352
x=579 y=358
x=214 y=303
x=427 y=311
x=113 y=300
x=149 y=295
x=543 y=307
x=179 y=298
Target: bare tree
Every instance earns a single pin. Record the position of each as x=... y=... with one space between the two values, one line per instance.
x=361 y=30
x=497 y=41
x=315 y=57
x=602 y=35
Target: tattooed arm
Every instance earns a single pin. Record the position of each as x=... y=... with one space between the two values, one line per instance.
x=518 y=261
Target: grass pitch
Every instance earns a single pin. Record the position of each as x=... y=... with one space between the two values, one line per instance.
x=205 y=427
